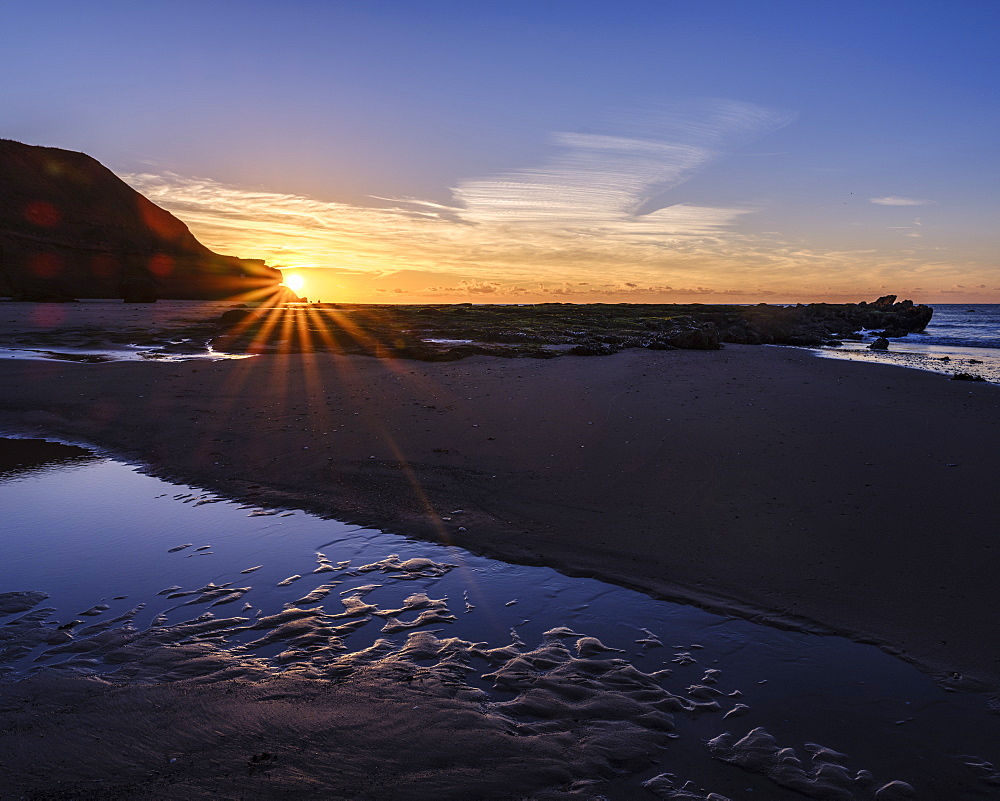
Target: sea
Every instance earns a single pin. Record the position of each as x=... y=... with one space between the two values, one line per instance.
x=960 y=338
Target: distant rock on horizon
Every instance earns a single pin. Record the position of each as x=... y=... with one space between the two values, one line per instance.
x=71 y=228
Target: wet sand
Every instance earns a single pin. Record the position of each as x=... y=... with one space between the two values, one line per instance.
x=838 y=496
x=280 y=737
x=215 y=598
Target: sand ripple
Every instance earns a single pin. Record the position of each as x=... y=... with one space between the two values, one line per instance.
x=570 y=691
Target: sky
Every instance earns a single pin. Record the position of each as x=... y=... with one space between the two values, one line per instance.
x=418 y=151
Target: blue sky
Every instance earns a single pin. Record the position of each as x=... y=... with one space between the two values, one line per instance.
x=786 y=150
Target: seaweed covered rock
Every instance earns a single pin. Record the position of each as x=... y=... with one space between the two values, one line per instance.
x=706 y=338
x=593 y=349
x=547 y=330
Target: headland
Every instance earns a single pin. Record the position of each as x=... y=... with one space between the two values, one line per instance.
x=70 y=229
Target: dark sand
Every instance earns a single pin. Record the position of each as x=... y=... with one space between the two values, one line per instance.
x=847 y=497
x=284 y=737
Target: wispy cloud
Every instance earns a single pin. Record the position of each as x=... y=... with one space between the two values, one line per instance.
x=895 y=200
x=606 y=216
x=602 y=199
x=605 y=184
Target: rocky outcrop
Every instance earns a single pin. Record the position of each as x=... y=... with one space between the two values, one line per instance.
x=815 y=324
x=70 y=228
x=902 y=317
x=549 y=330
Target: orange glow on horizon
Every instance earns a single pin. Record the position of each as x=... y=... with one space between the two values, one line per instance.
x=415 y=252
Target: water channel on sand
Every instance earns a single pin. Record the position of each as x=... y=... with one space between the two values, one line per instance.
x=130 y=565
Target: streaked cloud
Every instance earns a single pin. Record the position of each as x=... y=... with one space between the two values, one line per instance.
x=603 y=202
x=606 y=181
x=895 y=200
x=605 y=217
x=911 y=229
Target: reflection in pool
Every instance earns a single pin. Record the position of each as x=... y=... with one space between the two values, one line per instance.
x=144 y=580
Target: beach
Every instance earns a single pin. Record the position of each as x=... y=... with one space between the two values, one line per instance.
x=761 y=481
x=485 y=402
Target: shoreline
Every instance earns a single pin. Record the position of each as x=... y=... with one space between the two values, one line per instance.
x=632 y=468
x=983 y=364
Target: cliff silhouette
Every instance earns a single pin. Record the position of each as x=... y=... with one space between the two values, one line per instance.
x=70 y=228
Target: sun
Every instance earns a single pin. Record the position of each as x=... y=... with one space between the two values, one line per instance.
x=294 y=282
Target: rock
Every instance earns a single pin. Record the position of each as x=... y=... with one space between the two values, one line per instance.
x=803 y=340
x=879 y=344
x=967 y=377
x=742 y=335
x=697 y=339
x=238 y=316
x=593 y=349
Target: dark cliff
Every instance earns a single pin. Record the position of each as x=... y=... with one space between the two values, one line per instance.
x=70 y=228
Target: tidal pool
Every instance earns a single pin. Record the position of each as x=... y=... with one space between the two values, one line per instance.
x=121 y=561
